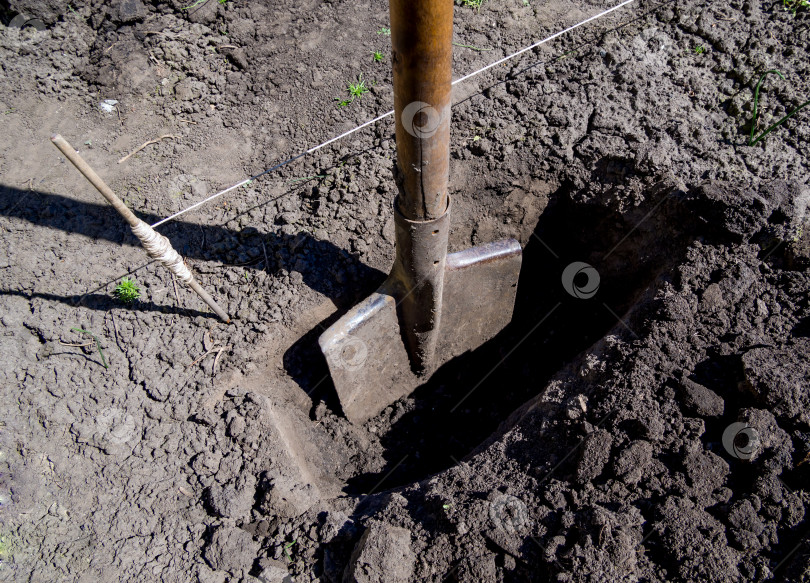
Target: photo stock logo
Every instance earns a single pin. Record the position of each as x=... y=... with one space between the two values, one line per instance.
x=116 y=426
x=580 y=280
x=421 y=119
x=741 y=440
x=655 y=48
x=353 y=354
x=186 y=186
x=510 y=514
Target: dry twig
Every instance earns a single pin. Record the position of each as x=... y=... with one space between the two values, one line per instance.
x=216 y=349
x=216 y=360
x=142 y=146
x=176 y=293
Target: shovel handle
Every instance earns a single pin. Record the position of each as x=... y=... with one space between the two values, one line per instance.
x=422 y=53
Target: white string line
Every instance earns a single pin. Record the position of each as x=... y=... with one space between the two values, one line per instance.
x=276 y=167
x=389 y=113
x=545 y=40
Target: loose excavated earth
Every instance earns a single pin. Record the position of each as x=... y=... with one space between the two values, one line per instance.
x=594 y=450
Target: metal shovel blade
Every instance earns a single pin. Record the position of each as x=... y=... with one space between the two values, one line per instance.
x=365 y=350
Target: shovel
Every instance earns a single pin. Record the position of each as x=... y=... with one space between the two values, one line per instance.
x=433 y=306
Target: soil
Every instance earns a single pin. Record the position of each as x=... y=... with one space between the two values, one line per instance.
x=657 y=430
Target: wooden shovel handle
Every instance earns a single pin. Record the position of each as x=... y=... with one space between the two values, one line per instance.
x=421 y=39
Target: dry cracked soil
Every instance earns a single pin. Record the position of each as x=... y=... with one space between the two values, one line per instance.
x=656 y=430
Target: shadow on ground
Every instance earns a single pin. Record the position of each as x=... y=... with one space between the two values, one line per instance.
x=321 y=263
x=466 y=400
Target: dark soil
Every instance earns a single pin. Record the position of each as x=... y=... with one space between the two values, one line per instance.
x=589 y=441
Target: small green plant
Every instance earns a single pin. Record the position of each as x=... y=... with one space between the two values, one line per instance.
x=127 y=291
x=471 y=3
x=566 y=54
x=385 y=31
x=194 y=5
x=699 y=50
x=753 y=140
x=287 y=548
x=794 y=5
x=98 y=344
x=378 y=56
x=5 y=551
x=223 y=1
x=356 y=91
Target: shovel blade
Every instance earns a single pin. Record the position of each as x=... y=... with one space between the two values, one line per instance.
x=365 y=350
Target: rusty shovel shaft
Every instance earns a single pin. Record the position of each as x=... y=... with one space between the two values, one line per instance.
x=432 y=307
x=421 y=39
x=422 y=55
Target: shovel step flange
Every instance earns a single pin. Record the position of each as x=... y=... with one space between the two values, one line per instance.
x=365 y=351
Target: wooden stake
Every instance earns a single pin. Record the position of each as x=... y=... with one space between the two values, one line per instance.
x=94 y=179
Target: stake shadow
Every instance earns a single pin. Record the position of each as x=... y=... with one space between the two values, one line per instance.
x=322 y=264
x=104 y=303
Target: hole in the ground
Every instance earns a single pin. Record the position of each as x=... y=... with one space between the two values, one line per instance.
x=466 y=400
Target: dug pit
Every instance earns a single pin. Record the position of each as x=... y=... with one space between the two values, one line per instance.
x=467 y=399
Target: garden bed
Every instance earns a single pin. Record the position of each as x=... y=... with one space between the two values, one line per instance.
x=584 y=443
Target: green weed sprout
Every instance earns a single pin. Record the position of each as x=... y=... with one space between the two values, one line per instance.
x=5 y=549
x=753 y=140
x=287 y=548
x=98 y=345
x=471 y=3
x=197 y=3
x=794 y=5
x=356 y=90
x=699 y=50
x=127 y=291
x=378 y=56
x=385 y=31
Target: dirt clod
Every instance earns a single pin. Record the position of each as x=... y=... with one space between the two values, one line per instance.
x=584 y=443
x=383 y=554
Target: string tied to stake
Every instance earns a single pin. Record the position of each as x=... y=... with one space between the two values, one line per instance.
x=159 y=248
x=156 y=245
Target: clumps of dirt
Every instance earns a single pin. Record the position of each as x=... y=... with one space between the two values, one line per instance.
x=783 y=387
x=596 y=451
x=47 y=62
x=618 y=467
